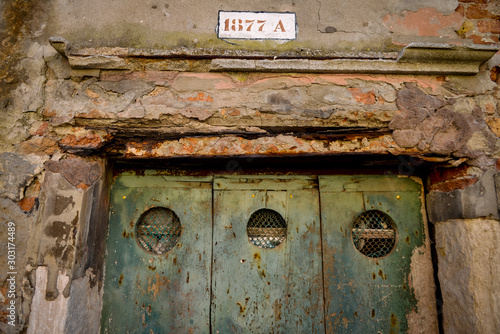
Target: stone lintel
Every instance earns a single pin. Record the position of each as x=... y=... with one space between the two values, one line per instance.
x=344 y=66
x=416 y=58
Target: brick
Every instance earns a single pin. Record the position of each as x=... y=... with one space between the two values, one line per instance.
x=480 y=11
x=460 y=10
x=365 y=98
x=440 y=175
x=42 y=130
x=454 y=184
x=489 y=26
x=89 y=141
x=489 y=39
x=465 y=198
x=27 y=203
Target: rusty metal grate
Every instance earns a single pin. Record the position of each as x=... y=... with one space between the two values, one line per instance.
x=374 y=233
x=266 y=228
x=158 y=230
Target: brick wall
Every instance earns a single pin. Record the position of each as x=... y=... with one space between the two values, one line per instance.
x=482 y=20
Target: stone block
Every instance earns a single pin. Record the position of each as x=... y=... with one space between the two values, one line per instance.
x=48 y=316
x=15 y=173
x=407 y=138
x=84 y=306
x=77 y=171
x=468 y=269
x=415 y=106
x=475 y=201
x=442 y=206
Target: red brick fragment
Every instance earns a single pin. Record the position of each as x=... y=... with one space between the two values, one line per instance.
x=445 y=174
x=42 y=129
x=449 y=179
x=365 y=98
x=454 y=184
x=89 y=141
x=27 y=203
x=490 y=39
x=480 y=11
x=491 y=26
x=460 y=10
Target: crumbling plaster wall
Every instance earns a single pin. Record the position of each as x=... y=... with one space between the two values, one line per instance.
x=58 y=123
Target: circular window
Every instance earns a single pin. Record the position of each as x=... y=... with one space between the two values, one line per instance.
x=158 y=230
x=374 y=234
x=266 y=228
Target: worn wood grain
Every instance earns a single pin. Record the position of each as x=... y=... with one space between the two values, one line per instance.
x=276 y=290
x=158 y=293
x=368 y=295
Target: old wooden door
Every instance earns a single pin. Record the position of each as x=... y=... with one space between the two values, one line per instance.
x=371 y=227
x=261 y=284
x=158 y=284
x=273 y=254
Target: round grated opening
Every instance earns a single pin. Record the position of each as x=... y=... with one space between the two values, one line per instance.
x=266 y=228
x=158 y=230
x=374 y=234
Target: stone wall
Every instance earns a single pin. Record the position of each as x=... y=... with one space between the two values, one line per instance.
x=152 y=86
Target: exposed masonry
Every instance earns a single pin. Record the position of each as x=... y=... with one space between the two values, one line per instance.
x=53 y=113
x=418 y=115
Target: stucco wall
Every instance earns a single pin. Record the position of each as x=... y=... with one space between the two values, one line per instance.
x=168 y=97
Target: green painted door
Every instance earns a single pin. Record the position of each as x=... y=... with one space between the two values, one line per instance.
x=263 y=288
x=156 y=290
x=368 y=286
x=262 y=254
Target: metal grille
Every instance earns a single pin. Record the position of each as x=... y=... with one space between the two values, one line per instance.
x=374 y=233
x=158 y=230
x=266 y=228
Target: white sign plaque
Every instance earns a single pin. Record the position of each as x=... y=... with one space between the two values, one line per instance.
x=257 y=25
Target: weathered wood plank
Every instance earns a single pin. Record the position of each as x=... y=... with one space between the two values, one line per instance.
x=162 y=294
x=265 y=182
x=346 y=183
x=275 y=290
x=162 y=181
x=369 y=295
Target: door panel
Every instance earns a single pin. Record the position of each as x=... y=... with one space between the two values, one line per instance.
x=152 y=293
x=216 y=280
x=275 y=290
x=364 y=294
